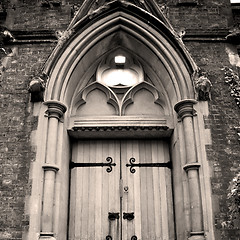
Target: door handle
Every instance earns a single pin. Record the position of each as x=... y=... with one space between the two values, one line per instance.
x=113 y=216
x=128 y=216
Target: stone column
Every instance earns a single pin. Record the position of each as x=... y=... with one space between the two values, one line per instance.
x=186 y=113
x=54 y=113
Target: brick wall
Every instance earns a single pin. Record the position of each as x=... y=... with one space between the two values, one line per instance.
x=224 y=115
x=17 y=123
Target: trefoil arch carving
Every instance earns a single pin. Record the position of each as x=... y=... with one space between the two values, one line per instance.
x=149 y=95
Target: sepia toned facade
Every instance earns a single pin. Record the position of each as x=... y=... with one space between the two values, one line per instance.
x=119 y=119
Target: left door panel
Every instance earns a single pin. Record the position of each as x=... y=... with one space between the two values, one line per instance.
x=94 y=192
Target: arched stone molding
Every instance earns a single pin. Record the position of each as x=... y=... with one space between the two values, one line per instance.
x=159 y=43
x=88 y=7
x=72 y=67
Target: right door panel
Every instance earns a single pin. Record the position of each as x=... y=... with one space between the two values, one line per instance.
x=147 y=192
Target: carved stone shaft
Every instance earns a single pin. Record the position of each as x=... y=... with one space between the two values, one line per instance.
x=55 y=113
x=186 y=113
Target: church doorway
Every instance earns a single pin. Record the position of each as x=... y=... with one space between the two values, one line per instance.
x=121 y=189
x=125 y=77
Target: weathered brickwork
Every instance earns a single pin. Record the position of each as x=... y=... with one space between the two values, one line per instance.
x=26 y=60
x=203 y=16
x=223 y=118
x=17 y=123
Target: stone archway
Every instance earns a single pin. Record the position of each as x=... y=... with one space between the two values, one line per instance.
x=71 y=69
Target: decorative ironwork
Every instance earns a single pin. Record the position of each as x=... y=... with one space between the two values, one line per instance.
x=134 y=237
x=128 y=216
x=109 y=164
x=113 y=216
x=108 y=237
x=132 y=165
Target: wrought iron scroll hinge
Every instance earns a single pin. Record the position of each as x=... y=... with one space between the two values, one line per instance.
x=132 y=165
x=128 y=216
x=109 y=164
x=113 y=216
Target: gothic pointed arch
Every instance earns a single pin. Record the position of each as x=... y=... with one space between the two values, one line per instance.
x=115 y=25
x=92 y=7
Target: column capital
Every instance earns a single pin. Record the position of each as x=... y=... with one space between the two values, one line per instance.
x=56 y=109
x=185 y=108
x=50 y=167
x=191 y=166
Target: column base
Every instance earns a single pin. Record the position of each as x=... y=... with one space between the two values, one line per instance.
x=197 y=236
x=47 y=236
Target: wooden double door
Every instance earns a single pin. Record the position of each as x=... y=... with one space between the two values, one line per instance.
x=121 y=190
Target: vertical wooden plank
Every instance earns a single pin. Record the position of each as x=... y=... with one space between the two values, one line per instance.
x=117 y=187
x=110 y=193
x=85 y=192
x=114 y=196
x=130 y=185
x=72 y=207
x=117 y=192
x=99 y=191
x=168 y=176
x=156 y=193
x=162 y=184
x=137 y=197
x=76 y=193
x=124 y=180
x=79 y=192
x=102 y=189
x=150 y=202
x=92 y=200
x=144 y=197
